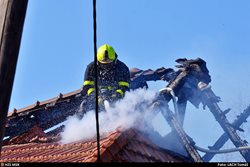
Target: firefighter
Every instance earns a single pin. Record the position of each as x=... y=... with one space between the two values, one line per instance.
x=113 y=77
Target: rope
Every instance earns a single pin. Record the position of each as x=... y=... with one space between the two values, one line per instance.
x=222 y=151
x=96 y=80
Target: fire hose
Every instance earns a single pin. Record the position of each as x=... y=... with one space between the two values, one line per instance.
x=222 y=151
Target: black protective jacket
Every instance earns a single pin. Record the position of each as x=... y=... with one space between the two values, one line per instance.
x=114 y=77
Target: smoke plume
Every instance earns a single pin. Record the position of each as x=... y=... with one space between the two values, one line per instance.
x=126 y=113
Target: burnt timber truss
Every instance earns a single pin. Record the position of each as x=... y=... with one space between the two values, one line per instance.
x=191 y=72
x=195 y=74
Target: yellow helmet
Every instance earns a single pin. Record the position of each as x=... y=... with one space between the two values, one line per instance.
x=106 y=54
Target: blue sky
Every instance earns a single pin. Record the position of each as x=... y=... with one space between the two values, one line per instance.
x=57 y=45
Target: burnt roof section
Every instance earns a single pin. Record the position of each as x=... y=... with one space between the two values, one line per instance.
x=22 y=124
x=48 y=113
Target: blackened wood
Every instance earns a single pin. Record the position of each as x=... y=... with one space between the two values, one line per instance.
x=224 y=138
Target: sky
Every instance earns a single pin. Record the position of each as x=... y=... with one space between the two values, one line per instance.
x=57 y=45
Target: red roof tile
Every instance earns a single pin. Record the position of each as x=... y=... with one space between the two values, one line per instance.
x=118 y=146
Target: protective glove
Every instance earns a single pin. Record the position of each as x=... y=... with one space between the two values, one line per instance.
x=115 y=96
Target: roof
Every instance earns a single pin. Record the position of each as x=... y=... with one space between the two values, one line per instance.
x=51 y=112
x=25 y=139
x=119 y=146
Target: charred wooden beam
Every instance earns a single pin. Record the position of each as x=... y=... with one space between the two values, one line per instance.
x=207 y=99
x=139 y=78
x=224 y=137
x=186 y=141
x=197 y=71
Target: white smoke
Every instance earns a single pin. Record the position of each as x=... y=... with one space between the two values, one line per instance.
x=126 y=113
